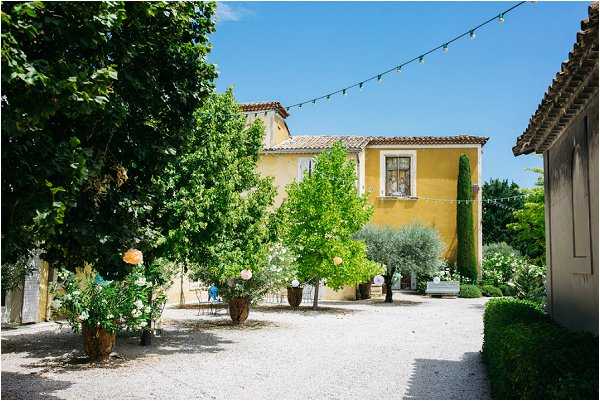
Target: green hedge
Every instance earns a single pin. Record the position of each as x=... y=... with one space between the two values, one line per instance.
x=528 y=356
x=469 y=291
x=491 y=291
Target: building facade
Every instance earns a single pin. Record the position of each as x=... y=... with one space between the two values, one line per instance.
x=565 y=130
x=407 y=179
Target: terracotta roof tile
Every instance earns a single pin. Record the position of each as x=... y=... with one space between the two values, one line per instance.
x=310 y=143
x=299 y=143
x=571 y=89
x=265 y=106
x=429 y=140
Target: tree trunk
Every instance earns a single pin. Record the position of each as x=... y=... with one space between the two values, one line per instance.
x=316 y=298
x=388 y=289
x=146 y=334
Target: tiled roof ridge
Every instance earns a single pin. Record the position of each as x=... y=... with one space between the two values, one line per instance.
x=567 y=92
x=264 y=106
x=359 y=142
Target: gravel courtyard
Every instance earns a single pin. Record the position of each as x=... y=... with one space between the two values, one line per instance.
x=416 y=348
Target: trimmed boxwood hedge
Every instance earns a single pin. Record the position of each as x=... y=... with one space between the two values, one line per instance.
x=469 y=291
x=491 y=291
x=528 y=356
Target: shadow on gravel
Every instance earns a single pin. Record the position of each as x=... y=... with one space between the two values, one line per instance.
x=399 y=302
x=436 y=379
x=63 y=351
x=304 y=309
x=20 y=386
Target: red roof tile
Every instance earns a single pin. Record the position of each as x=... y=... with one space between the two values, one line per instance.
x=310 y=143
x=265 y=106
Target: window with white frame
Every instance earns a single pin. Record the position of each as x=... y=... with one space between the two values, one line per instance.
x=305 y=167
x=398 y=174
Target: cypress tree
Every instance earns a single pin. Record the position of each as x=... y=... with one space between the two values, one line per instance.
x=465 y=255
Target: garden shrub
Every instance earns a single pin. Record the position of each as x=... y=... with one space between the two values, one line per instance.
x=499 y=264
x=491 y=291
x=529 y=282
x=507 y=290
x=528 y=356
x=469 y=291
x=499 y=247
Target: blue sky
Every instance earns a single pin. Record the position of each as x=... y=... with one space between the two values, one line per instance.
x=487 y=86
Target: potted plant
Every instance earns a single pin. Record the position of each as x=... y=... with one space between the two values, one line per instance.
x=97 y=308
x=294 y=294
x=241 y=285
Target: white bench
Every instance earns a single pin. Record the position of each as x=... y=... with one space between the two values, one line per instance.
x=443 y=288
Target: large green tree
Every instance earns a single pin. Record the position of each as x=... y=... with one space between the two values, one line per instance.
x=97 y=97
x=466 y=261
x=218 y=204
x=412 y=248
x=320 y=217
x=503 y=198
x=528 y=229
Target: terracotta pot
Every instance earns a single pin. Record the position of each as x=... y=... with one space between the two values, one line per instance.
x=98 y=343
x=364 y=290
x=294 y=296
x=239 y=308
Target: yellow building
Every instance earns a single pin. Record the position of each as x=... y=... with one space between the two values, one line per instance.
x=407 y=178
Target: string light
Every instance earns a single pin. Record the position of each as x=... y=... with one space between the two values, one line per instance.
x=421 y=59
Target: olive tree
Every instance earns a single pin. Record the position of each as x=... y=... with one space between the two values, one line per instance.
x=410 y=248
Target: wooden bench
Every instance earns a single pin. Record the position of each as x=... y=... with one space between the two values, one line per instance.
x=443 y=288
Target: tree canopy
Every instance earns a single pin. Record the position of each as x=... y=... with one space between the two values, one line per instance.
x=497 y=215
x=528 y=229
x=97 y=98
x=216 y=202
x=320 y=217
x=466 y=261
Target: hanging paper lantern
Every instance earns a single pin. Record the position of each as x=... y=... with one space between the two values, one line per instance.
x=133 y=257
x=337 y=260
x=295 y=283
x=378 y=280
x=246 y=274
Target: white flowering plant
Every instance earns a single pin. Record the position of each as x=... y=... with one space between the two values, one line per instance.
x=87 y=299
x=274 y=270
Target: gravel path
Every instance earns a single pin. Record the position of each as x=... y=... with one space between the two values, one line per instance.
x=416 y=348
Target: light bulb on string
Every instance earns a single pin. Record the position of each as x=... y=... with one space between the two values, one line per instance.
x=360 y=86
x=445 y=48
x=501 y=18
x=422 y=59
x=399 y=68
x=379 y=78
x=314 y=101
x=328 y=97
x=344 y=92
x=472 y=34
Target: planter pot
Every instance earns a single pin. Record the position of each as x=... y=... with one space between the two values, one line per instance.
x=98 y=343
x=238 y=309
x=364 y=290
x=294 y=296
